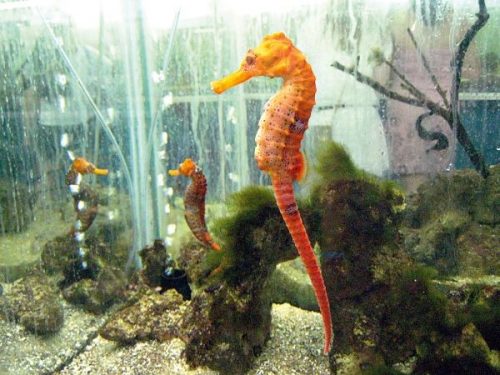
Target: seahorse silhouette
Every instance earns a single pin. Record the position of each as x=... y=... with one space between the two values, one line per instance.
x=84 y=200
x=194 y=201
x=281 y=129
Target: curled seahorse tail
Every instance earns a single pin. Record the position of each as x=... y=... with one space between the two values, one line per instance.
x=285 y=198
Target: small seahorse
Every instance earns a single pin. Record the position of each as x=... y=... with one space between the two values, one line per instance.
x=194 y=201
x=85 y=200
x=281 y=129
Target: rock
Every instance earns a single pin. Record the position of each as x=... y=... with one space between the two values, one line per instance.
x=359 y=219
x=154 y=317
x=465 y=353
x=154 y=262
x=486 y=210
x=34 y=302
x=477 y=249
x=289 y=283
x=436 y=243
x=451 y=223
x=227 y=326
x=458 y=190
x=97 y=295
x=57 y=253
x=192 y=258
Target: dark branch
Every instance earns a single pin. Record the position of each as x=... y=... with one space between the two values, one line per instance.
x=442 y=140
x=377 y=86
x=407 y=85
x=417 y=102
x=451 y=115
x=458 y=61
x=427 y=67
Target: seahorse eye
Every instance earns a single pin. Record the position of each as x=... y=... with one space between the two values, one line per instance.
x=250 y=59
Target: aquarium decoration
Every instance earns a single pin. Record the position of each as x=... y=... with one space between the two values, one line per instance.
x=448 y=109
x=390 y=307
x=281 y=129
x=85 y=201
x=160 y=270
x=194 y=201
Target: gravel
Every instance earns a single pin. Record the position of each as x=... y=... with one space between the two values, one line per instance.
x=295 y=347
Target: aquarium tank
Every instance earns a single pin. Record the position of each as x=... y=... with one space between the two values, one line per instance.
x=260 y=187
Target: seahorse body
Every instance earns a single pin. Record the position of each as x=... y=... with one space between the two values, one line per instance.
x=194 y=202
x=281 y=129
x=85 y=200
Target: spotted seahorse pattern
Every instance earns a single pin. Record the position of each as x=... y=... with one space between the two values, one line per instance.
x=281 y=129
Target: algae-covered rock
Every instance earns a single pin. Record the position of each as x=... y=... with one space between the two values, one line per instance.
x=359 y=217
x=153 y=317
x=436 y=243
x=254 y=236
x=358 y=220
x=486 y=210
x=458 y=190
x=227 y=326
x=385 y=306
x=99 y=294
x=229 y=318
x=451 y=223
x=474 y=301
x=33 y=301
x=464 y=353
x=289 y=283
x=478 y=251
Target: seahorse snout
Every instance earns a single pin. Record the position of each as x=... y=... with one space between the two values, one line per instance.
x=231 y=80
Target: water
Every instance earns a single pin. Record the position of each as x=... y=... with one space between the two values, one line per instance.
x=126 y=85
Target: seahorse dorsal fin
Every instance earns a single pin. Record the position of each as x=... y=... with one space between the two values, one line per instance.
x=302 y=169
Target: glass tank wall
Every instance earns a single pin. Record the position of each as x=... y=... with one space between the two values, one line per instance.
x=125 y=84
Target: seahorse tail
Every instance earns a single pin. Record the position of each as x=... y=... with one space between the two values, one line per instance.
x=210 y=241
x=285 y=198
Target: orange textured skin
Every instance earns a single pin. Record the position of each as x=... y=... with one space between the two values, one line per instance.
x=281 y=129
x=194 y=202
x=82 y=166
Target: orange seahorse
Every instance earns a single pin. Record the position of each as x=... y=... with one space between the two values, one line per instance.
x=281 y=129
x=85 y=200
x=194 y=201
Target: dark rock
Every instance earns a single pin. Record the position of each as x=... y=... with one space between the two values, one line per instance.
x=226 y=326
x=98 y=295
x=154 y=262
x=451 y=223
x=229 y=318
x=358 y=219
x=465 y=353
x=33 y=301
x=154 y=317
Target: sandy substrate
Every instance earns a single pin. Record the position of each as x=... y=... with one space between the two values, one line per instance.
x=22 y=353
x=295 y=348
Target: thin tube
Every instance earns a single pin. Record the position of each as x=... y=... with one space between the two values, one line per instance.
x=97 y=112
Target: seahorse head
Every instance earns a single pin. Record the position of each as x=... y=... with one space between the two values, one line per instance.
x=81 y=165
x=274 y=57
x=186 y=168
